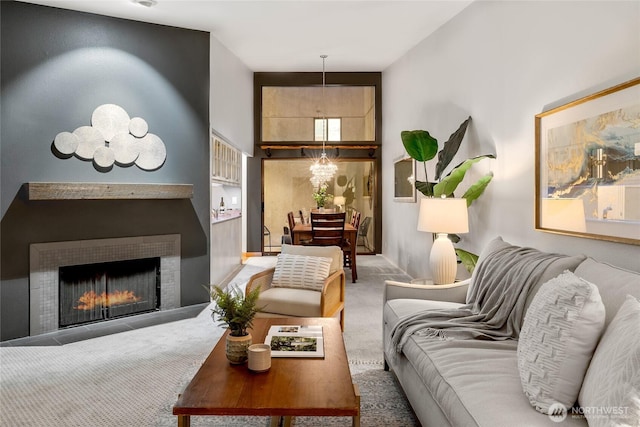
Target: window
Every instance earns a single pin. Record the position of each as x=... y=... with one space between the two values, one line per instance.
x=333 y=126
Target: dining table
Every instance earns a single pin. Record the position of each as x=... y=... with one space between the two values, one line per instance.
x=302 y=232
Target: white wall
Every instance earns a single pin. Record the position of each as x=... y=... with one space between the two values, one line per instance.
x=502 y=63
x=231 y=116
x=231 y=97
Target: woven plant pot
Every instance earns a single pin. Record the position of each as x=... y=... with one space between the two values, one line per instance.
x=237 y=348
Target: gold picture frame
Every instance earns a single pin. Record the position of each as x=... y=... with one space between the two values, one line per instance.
x=587 y=158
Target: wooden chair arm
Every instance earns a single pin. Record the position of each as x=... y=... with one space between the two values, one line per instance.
x=332 y=297
x=261 y=280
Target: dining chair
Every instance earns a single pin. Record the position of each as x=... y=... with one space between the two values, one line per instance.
x=286 y=236
x=327 y=229
x=291 y=219
x=266 y=232
x=292 y=223
x=355 y=218
x=346 y=250
x=363 y=233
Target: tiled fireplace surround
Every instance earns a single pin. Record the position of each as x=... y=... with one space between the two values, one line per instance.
x=46 y=258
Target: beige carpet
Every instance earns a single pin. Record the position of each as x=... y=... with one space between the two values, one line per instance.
x=133 y=378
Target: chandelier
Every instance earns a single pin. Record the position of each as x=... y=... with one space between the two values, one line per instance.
x=322 y=170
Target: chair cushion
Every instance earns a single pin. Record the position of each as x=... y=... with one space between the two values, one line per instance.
x=559 y=334
x=290 y=302
x=333 y=252
x=301 y=271
x=613 y=378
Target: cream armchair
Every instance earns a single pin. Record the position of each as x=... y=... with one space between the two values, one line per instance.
x=297 y=302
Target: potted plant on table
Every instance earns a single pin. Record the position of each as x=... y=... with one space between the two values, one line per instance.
x=235 y=311
x=321 y=196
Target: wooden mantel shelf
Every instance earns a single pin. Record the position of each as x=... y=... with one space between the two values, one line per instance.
x=104 y=191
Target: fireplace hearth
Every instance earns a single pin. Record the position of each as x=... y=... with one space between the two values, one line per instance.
x=101 y=295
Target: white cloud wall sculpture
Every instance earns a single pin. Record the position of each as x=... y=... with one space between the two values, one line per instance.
x=114 y=138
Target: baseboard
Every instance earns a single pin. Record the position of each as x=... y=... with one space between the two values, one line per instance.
x=247 y=255
x=224 y=282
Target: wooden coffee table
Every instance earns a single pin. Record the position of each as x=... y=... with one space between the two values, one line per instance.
x=292 y=387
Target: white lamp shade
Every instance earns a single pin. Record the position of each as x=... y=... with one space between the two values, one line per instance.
x=443 y=215
x=339 y=200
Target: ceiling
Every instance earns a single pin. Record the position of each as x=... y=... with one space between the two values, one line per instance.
x=272 y=36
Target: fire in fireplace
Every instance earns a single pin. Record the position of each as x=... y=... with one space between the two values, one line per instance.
x=103 y=291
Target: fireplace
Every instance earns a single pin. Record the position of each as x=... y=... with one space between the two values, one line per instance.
x=78 y=282
x=98 y=292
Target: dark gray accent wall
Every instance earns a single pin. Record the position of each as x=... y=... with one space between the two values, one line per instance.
x=57 y=67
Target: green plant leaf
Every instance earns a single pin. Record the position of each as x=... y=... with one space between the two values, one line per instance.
x=233 y=309
x=450 y=148
x=455 y=238
x=468 y=259
x=449 y=183
x=425 y=188
x=419 y=144
x=477 y=189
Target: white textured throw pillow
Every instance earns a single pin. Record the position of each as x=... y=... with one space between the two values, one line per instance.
x=610 y=393
x=558 y=337
x=301 y=272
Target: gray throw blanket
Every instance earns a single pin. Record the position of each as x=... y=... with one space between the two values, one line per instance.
x=499 y=291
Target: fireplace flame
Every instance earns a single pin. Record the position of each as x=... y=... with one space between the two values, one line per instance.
x=91 y=299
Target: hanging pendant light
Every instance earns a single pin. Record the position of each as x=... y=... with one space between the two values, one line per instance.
x=322 y=170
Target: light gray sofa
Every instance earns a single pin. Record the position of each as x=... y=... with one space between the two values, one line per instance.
x=477 y=382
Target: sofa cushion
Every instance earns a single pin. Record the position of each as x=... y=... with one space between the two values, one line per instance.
x=614 y=284
x=476 y=382
x=398 y=308
x=291 y=302
x=613 y=378
x=333 y=252
x=300 y=271
x=558 y=337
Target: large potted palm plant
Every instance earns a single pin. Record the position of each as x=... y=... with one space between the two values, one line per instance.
x=422 y=147
x=235 y=311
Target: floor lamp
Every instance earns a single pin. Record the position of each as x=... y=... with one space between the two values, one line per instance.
x=443 y=216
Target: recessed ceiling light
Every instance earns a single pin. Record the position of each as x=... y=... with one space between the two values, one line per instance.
x=147 y=3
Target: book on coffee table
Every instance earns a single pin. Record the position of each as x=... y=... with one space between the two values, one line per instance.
x=295 y=341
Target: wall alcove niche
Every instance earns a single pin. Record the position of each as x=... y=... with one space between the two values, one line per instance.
x=289 y=109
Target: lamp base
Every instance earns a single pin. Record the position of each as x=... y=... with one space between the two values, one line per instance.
x=442 y=260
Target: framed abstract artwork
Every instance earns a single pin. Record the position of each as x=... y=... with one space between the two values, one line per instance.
x=404 y=172
x=588 y=166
